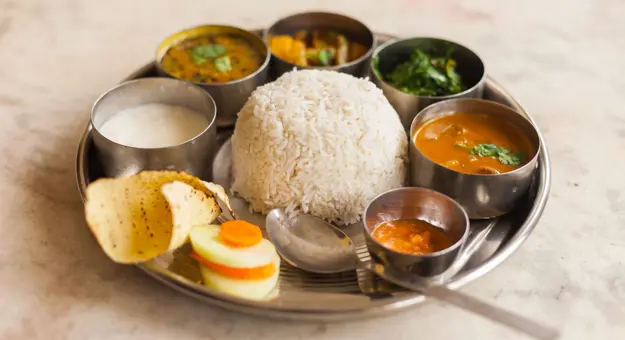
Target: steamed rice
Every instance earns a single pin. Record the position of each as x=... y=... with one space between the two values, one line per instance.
x=320 y=142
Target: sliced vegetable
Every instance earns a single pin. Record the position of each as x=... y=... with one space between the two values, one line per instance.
x=258 y=273
x=342 y=49
x=321 y=48
x=238 y=233
x=207 y=242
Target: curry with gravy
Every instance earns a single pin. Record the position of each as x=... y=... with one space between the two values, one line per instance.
x=474 y=143
x=216 y=58
x=411 y=236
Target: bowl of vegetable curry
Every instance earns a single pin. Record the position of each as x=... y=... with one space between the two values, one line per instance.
x=320 y=40
x=226 y=61
x=481 y=153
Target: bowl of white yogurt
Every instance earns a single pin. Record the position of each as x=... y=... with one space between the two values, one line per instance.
x=155 y=124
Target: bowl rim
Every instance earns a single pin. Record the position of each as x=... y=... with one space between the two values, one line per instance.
x=367 y=54
x=529 y=164
x=112 y=90
x=162 y=49
x=389 y=43
x=458 y=244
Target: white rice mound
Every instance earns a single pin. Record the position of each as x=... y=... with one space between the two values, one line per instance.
x=319 y=142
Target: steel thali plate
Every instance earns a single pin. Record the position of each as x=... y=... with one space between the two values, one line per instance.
x=305 y=296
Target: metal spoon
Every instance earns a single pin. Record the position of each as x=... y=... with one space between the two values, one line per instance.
x=311 y=244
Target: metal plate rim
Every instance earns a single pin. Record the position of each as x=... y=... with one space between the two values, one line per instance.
x=390 y=305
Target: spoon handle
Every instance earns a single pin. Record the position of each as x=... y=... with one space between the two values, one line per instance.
x=471 y=304
x=479 y=231
x=497 y=314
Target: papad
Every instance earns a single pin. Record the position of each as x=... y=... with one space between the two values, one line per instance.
x=139 y=217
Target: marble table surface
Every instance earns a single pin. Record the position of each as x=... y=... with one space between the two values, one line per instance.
x=561 y=59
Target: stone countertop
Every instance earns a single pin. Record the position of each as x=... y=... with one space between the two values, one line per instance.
x=561 y=59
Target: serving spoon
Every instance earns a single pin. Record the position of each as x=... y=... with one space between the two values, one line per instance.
x=313 y=245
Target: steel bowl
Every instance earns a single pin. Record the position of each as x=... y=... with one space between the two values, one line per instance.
x=231 y=96
x=423 y=204
x=193 y=156
x=481 y=195
x=350 y=27
x=389 y=55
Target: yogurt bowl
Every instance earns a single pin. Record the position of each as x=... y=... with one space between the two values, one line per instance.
x=155 y=124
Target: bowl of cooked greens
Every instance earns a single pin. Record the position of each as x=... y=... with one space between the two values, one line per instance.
x=416 y=72
x=319 y=40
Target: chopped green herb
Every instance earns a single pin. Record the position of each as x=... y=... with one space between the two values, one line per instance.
x=376 y=67
x=222 y=64
x=424 y=75
x=502 y=154
x=512 y=159
x=209 y=51
x=197 y=60
x=325 y=57
x=488 y=150
x=462 y=145
x=202 y=53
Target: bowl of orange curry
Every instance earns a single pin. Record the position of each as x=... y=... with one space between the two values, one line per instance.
x=415 y=230
x=321 y=40
x=226 y=61
x=482 y=154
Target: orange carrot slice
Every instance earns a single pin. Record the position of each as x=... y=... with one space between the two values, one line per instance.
x=240 y=234
x=257 y=273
